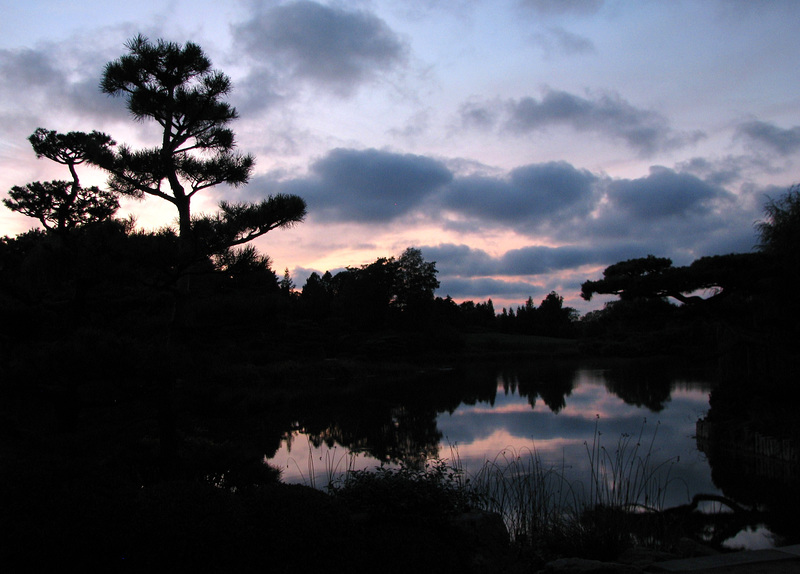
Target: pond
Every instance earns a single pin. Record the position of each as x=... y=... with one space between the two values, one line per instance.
x=570 y=417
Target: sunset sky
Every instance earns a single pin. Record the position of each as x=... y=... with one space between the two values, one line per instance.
x=523 y=145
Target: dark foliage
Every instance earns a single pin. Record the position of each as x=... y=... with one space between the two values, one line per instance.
x=176 y=87
x=388 y=292
x=430 y=494
x=61 y=206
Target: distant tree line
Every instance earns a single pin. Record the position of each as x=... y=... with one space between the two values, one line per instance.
x=399 y=292
x=388 y=291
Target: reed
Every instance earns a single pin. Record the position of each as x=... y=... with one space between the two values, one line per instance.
x=617 y=506
x=531 y=497
x=335 y=464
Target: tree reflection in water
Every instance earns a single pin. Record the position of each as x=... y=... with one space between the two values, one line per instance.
x=399 y=423
x=492 y=406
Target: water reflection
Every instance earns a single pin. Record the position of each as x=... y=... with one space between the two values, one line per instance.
x=484 y=411
x=564 y=438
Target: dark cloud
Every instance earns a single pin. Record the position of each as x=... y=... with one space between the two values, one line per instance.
x=731 y=170
x=27 y=76
x=602 y=220
x=43 y=85
x=369 y=185
x=665 y=193
x=326 y=45
x=682 y=238
x=668 y=213
x=29 y=69
x=555 y=186
x=461 y=260
x=260 y=90
x=466 y=261
x=598 y=220
x=715 y=172
x=483 y=288
x=529 y=195
x=539 y=259
x=731 y=239
x=480 y=115
x=557 y=40
x=466 y=272
x=776 y=139
x=608 y=115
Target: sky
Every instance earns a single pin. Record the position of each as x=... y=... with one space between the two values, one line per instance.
x=522 y=145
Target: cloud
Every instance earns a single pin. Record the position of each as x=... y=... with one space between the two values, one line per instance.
x=368 y=186
x=55 y=83
x=563 y=7
x=716 y=172
x=466 y=272
x=529 y=195
x=667 y=213
x=557 y=40
x=480 y=115
x=29 y=69
x=539 y=259
x=776 y=139
x=607 y=114
x=415 y=127
x=588 y=219
x=328 y=46
x=665 y=193
x=424 y=9
x=465 y=261
x=599 y=220
x=461 y=260
x=486 y=287
x=379 y=186
x=259 y=90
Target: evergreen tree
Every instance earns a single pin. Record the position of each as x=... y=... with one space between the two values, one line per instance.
x=177 y=88
x=286 y=284
x=64 y=205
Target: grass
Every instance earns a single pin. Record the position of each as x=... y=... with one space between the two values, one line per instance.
x=333 y=466
x=617 y=506
x=533 y=500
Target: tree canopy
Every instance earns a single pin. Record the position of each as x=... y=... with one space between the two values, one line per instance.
x=655 y=277
x=176 y=87
x=779 y=231
x=388 y=287
x=64 y=205
x=415 y=280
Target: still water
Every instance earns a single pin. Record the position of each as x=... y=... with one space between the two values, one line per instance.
x=479 y=413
